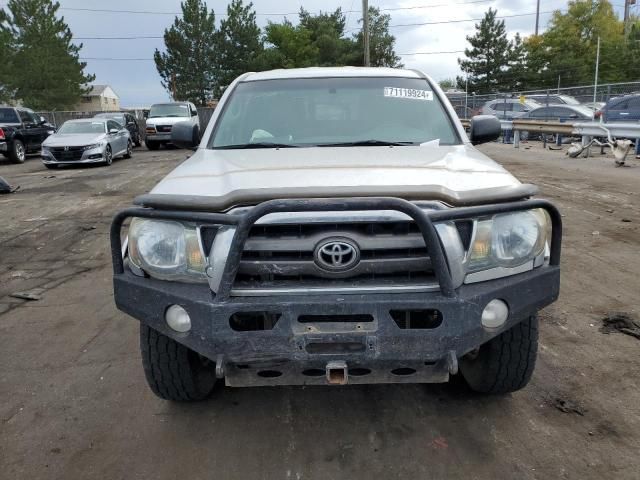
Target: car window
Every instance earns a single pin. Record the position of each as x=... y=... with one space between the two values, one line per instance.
x=518 y=107
x=8 y=115
x=82 y=127
x=539 y=113
x=317 y=111
x=169 y=110
x=113 y=124
x=502 y=107
x=25 y=117
x=634 y=103
x=34 y=118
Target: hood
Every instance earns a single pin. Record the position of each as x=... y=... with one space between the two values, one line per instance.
x=73 y=139
x=166 y=120
x=234 y=177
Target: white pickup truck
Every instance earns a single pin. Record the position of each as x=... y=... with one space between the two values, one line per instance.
x=336 y=226
x=161 y=119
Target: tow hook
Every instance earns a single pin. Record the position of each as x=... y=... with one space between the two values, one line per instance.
x=337 y=373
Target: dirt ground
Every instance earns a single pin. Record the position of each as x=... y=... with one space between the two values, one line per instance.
x=74 y=403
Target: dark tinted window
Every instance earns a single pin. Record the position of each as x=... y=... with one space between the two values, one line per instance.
x=634 y=103
x=501 y=107
x=8 y=115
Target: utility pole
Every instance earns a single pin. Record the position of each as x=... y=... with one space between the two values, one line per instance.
x=365 y=32
x=537 y=15
x=627 y=6
x=595 y=83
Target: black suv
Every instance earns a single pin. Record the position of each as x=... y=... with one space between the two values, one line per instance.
x=128 y=121
x=21 y=132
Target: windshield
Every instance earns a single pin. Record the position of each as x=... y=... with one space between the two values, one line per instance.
x=334 y=111
x=113 y=116
x=169 y=110
x=82 y=127
x=8 y=115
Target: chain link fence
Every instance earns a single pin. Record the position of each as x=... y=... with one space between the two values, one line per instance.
x=469 y=104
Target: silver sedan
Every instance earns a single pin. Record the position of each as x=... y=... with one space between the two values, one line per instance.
x=94 y=140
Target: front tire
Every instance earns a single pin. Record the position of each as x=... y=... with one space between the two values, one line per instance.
x=505 y=363
x=129 y=151
x=173 y=371
x=18 y=153
x=151 y=145
x=108 y=156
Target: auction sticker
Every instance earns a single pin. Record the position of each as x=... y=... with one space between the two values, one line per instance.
x=411 y=93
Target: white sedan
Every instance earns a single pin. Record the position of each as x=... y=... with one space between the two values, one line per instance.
x=94 y=140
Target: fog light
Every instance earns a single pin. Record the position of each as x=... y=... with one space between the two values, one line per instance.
x=178 y=319
x=495 y=314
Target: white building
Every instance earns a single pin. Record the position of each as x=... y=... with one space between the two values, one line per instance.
x=101 y=98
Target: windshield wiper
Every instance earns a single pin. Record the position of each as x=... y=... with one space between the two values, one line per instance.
x=366 y=143
x=246 y=146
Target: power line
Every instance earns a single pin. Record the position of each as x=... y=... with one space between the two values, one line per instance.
x=265 y=14
x=465 y=20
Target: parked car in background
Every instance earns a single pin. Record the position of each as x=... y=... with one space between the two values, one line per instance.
x=162 y=117
x=509 y=108
x=621 y=109
x=556 y=113
x=555 y=99
x=21 y=132
x=562 y=113
x=595 y=106
x=93 y=140
x=128 y=121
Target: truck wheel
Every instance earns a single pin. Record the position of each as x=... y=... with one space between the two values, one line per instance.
x=505 y=363
x=173 y=371
x=18 y=153
x=151 y=145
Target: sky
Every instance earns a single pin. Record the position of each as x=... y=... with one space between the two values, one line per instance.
x=138 y=83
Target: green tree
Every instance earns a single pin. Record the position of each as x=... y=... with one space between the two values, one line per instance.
x=489 y=56
x=7 y=48
x=447 y=84
x=47 y=73
x=381 y=42
x=287 y=46
x=240 y=42
x=187 y=68
x=327 y=36
x=571 y=40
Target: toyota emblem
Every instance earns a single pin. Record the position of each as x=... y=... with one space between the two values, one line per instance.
x=337 y=254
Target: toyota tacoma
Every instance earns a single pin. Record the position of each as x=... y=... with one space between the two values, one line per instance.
x=336 y=226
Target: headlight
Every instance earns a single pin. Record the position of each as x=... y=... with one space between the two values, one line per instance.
x=91 y=147
x=166 y=250
x=508 y=240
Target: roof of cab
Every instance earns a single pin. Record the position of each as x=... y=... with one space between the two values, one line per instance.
x=328 y=72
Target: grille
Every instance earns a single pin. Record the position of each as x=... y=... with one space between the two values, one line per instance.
x=67 y=153
x=392 y=253
x=163 y=128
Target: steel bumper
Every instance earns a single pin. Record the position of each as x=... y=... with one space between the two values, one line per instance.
x=293 y=348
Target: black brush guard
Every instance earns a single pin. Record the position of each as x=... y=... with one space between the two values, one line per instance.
x=283 y=355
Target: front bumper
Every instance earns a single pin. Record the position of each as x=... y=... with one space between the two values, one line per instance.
x=158 y=137
x=94 y=155
x=293 y=348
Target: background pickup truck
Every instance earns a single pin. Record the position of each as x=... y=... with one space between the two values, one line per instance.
x=21 y=132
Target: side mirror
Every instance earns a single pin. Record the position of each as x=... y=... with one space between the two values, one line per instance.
x=194 y=113
x=113 y=130
x=145 y=114
x=185 y=135
x=43 y=120
x=484 y=128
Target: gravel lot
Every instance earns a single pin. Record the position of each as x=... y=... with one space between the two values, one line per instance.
x=74 y=403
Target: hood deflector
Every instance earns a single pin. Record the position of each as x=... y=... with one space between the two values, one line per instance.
x=200 y=203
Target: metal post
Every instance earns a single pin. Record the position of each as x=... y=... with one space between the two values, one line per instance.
x=365 y=32
x=466 y=97
x=558 y=84
x=537 y=15
x=627 y=4
x=595 y=83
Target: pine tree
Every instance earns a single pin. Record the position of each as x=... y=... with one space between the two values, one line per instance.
x=47 y=73
x=489 y=55
x=187 y=68
x=239 y=43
